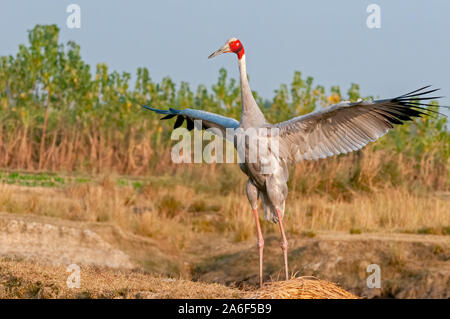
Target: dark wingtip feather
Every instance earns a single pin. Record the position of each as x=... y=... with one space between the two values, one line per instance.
x=190 y=124
x=409 y=106
x=412 y=100
x=178 y=122
x=418 y=91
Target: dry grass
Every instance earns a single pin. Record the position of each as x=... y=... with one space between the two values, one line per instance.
x=178 y=214
x=384 y=210
x=301 y=288
x=21 y=279
x=387 y=210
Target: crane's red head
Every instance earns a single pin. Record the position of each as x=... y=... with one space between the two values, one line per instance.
x=232 y=45
x=236 y=47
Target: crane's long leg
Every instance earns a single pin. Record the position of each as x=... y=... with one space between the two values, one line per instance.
x=284 y=243
x=260 y=247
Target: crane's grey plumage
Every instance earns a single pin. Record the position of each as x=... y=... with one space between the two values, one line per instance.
x=347 y=127
x=337 y=129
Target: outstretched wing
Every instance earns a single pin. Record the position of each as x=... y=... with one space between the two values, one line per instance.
x=207 y=119
x=346 y=127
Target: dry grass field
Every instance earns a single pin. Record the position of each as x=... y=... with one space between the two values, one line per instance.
x=162 y=238
x=176 y=213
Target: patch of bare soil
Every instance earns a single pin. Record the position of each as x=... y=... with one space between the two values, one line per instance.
x=63 y=242
x=57 y=244
x=412 y=266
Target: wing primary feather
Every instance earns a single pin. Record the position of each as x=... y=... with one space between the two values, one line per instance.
x=418 y=90
x=414 y=98
x=178 y=122
x=190 y=124
x=421 y=93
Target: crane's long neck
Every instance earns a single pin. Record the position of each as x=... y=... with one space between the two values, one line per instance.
x=251 y=115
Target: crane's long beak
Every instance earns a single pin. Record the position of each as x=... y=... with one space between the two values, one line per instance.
x=224 y=49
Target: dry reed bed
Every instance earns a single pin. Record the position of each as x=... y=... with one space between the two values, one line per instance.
x=134 y=156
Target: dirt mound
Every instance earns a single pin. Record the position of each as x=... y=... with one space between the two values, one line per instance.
x=301 y=288
x=57 y=244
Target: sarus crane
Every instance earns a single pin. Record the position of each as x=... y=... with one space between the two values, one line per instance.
x=337 y=129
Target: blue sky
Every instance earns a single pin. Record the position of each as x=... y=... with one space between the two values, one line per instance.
x=326 y=39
